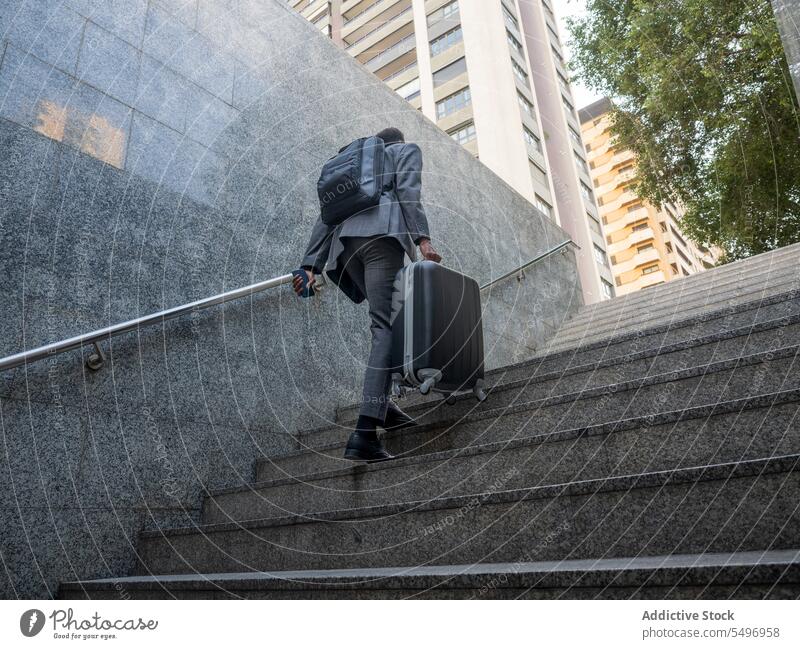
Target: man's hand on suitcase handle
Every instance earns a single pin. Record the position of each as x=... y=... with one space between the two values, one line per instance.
x=428 y=251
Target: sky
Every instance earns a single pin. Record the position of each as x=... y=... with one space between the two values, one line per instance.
x=564 y=9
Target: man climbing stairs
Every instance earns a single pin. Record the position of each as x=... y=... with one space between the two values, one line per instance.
x=652 y=450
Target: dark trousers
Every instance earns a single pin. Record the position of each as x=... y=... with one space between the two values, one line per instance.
x=372 y=263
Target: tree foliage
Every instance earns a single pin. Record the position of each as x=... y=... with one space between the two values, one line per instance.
x=704 y=99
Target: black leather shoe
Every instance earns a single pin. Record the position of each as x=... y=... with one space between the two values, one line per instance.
x=361 y=448
x=397 y=419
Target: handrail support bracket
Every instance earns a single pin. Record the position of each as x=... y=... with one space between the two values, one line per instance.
x=96 y=359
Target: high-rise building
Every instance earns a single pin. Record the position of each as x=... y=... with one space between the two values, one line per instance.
x=467 y=65
x=645 y=245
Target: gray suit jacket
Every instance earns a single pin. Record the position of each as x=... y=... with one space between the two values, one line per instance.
x=399 y=214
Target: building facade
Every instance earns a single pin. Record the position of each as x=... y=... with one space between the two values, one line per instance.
x=787 y=14
x=646 y=246
x=468 y=66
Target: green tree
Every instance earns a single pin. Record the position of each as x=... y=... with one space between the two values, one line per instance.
x=704 y=99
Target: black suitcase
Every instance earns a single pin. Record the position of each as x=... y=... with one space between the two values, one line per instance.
x=437 y=333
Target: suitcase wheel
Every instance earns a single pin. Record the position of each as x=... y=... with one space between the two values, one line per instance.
x=479 y=392
x=451 y=400
x=429 y=379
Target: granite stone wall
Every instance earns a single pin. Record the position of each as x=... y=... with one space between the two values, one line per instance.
x=157 y=152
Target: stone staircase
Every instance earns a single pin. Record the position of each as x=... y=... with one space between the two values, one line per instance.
x=652 y=451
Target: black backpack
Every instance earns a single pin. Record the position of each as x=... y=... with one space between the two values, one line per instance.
x=352 y=180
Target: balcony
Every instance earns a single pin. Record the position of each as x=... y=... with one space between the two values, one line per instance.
x=640 y=235
x=642 y=282
x=386 y=56
x=352 y=9
x=358 y=32
x=375 y=39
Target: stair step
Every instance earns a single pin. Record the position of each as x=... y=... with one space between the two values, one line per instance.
x=733 y=431
x=747 y=287
x=752 y=375
x=741 y=506
x=649 y=362
x=778 y=262
x=588 y=328
x=729 y=575
x=755 y=318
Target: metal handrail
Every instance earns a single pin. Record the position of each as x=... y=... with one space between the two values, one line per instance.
x=518 y=270
x=96 y=359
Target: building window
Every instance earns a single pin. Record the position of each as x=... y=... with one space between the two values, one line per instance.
x=594 y=225
x=647 y=270
x=543 y=206
x=449 y=72
x=514 y=43
x=520 y=73
x=511 y=20
x=586 y=191
x=567 y=105
x=453 y=103
x=562 y=80
x=608 y=288
x=446 y=41
x=524 y=104
x=448 y=11
x=576 y=137
x=464 y=133
x=678 y=236
x=600 y=255
x=640 y=226
x=582 y=164
x=633 y=208
x=557 y=54
x=410 y=90
x=663 y=226
x=532 y=139
x=645 y=247
x=539 y=174
x=668 y=246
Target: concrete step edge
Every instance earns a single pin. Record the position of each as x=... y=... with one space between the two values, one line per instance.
x=718 y=314
x=684 y=287
x=708 y=316
x=590 y=393
x=624 y=337
x=723 y=568
x=752 y=267
x=652 y=352
x=764 y=401
x=576 y=328
x=704 y=473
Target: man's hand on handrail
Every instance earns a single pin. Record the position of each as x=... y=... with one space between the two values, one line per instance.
x=428 y=251
x=297 y=282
